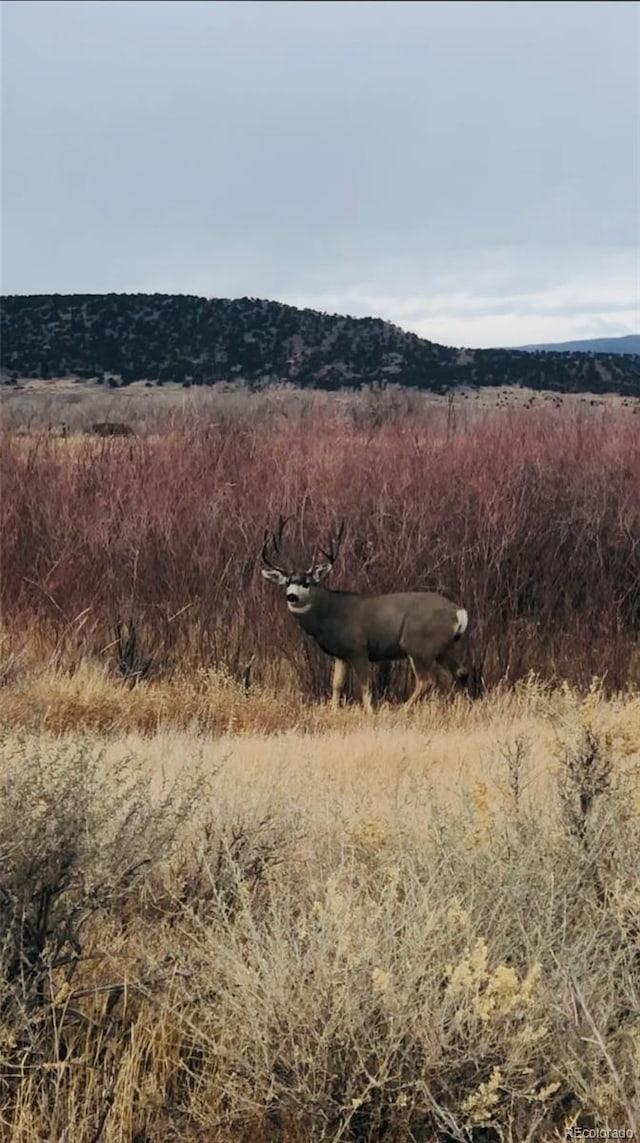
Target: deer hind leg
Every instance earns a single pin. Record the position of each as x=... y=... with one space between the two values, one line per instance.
x=456 y=670
x=340 y=669
x=424 y=680
x=363 y=673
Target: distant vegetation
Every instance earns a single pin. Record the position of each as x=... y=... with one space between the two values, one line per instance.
x=116 y=339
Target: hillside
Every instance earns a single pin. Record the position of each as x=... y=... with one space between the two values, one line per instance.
x=121 y=338
x=628 y=344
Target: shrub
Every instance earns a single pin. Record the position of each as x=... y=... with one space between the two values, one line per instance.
x=527 y=518
x=170 y=964
x=77 y=840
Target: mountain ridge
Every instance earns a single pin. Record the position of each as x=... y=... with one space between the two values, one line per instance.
x=121 y=338
x=627 y=343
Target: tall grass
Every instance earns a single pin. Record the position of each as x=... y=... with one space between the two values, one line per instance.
x=529 y=518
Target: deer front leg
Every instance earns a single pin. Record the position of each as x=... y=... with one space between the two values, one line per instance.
x=340 y=669
x=362 y=671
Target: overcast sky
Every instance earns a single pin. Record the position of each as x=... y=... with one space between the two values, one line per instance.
x=470 y=171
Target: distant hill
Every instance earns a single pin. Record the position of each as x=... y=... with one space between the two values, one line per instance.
x=628 y=344
x=121 y=338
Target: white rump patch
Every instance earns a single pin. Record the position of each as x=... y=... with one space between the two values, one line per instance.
x=462 y=621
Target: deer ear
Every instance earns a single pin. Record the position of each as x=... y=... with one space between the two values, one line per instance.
x=320 y=572
x=274 y=575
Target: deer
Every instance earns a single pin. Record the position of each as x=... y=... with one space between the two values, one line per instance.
x=358 y=630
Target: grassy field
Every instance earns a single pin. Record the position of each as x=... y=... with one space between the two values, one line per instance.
x=391 y=928
x=229 y=913
x=36 y=405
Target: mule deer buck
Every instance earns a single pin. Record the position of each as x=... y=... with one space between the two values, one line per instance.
x=358 y=630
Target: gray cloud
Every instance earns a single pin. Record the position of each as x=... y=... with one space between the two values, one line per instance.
x=470 y=170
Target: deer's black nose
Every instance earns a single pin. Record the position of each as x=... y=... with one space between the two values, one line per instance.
x=292 y=597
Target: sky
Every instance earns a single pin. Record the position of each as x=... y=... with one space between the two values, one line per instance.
x=469 y=171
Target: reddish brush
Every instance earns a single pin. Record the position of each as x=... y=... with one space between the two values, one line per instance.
x=529 y=519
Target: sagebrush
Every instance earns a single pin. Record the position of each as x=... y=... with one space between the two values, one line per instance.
x=180 y=959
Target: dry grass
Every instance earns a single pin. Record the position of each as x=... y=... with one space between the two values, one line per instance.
x=91 y=698
x=35 y=404
x=395 y=928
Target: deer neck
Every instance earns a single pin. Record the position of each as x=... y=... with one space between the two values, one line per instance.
x=311 y=621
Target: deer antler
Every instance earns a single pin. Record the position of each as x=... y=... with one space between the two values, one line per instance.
x=334 y=545
x=274 y=540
